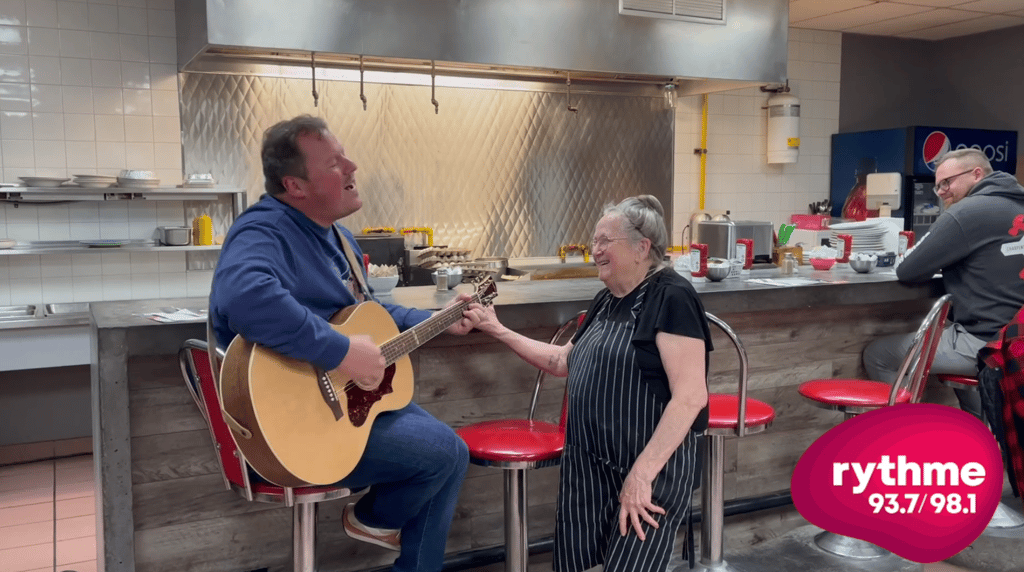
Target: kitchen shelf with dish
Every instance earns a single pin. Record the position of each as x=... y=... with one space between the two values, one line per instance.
x=95 y=245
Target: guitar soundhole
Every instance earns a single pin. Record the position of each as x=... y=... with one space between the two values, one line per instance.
x=360 y=401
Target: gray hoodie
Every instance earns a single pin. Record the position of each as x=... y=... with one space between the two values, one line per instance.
x=978 y=244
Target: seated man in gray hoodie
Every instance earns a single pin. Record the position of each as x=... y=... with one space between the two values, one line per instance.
x=978 y=245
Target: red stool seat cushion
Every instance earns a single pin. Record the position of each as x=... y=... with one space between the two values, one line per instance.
x=513 y=440
x=269 y=489
x=958 y=379
x=851 y=392
x=724 y=409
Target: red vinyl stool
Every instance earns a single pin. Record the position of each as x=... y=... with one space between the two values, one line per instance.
x=516 y=446
x=726 y=413
x=200 y=379
x=1004 y=517
x=856 y=396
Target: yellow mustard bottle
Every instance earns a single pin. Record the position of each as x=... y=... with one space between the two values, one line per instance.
x=202 y=230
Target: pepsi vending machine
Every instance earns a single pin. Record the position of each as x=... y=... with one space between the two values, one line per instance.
x=912 y=151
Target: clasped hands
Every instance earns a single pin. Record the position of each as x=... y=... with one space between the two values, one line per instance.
x=364 y=364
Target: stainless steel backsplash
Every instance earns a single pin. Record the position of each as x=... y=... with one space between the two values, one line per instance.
x=504 y=173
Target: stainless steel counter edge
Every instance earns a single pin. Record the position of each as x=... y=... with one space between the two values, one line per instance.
x=45 y=322
x=839 y=287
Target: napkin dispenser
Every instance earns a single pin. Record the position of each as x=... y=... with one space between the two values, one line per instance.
x=720 y=236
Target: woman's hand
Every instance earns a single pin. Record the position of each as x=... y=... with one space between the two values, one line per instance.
x=489 y=323
x=635 y=504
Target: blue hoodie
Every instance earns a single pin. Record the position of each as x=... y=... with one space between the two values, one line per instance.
x=279 y=278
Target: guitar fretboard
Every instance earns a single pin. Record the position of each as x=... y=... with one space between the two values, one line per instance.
x=423 y=332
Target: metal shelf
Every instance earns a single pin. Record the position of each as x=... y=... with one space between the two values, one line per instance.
x=69 y=193
x=74 y=246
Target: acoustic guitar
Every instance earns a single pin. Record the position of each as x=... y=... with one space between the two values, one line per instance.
x=295 y=424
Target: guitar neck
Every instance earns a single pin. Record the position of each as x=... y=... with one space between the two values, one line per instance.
x=421 y=333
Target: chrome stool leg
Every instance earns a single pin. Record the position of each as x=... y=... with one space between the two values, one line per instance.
x=304 y=537
x=848 y=547
x=516 y=544
x=712 y=503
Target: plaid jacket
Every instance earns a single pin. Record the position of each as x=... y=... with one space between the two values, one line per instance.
x=1006 y=353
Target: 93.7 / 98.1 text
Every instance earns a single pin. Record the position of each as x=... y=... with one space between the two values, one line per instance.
x=951 y=503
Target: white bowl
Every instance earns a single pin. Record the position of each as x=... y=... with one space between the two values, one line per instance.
x=382 y=285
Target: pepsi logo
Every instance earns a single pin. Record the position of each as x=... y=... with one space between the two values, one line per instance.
x=935 y=146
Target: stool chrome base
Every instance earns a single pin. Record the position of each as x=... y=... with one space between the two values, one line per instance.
x=848 y=547
x=1005 y=517
x=721 y=566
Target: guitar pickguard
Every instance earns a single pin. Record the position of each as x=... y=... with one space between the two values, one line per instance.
x=360 y=401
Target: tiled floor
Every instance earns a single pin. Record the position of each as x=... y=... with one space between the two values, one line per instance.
x=48 y=516
x=48 y=520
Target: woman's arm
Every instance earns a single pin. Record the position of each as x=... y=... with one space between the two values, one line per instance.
x=683 y=359
x=548 y=357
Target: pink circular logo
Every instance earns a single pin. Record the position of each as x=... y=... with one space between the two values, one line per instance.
x=920 y=480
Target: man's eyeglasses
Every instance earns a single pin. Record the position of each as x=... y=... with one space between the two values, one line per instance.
x=603 y=243
x=943 y=185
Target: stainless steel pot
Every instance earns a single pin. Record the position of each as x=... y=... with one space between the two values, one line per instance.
x=175 y=235
x=497 y=266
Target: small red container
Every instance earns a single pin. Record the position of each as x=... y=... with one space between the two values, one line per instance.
x=822 y=263
x=747 y=244
x=844 y=246
x=699 y=260
x=810 y=221
x=906 y=242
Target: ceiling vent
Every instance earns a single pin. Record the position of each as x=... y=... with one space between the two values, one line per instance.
x=704 y=11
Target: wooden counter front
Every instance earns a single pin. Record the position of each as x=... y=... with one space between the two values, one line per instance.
x=160 y=497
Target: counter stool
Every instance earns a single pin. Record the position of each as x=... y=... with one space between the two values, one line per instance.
x=200 y=379
x=730 y=415
x=1004 y=516
x=855 y=396
x=516 y=446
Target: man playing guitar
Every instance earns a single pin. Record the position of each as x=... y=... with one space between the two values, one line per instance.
x=282 y=274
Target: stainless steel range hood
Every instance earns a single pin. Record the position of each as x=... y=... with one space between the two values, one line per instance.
x=536 y=38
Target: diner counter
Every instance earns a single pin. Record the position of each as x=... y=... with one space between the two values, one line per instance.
x=161 y=503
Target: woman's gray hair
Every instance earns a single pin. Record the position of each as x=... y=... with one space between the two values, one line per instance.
x=643 y=217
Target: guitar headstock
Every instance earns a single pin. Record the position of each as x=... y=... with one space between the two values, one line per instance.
x=486 y=290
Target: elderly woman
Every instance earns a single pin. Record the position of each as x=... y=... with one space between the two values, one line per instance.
x=637 y=383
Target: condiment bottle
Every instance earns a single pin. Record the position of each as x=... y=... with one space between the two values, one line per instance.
x=844 y=244
x=745 y=252
x=699 y=262
x=906 y=242
x=202 y=230
x=788 y=264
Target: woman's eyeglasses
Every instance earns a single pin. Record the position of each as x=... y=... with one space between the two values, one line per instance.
x=603 y=243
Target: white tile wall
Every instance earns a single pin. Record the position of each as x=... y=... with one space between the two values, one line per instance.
x=90 y=87
x=739 y=178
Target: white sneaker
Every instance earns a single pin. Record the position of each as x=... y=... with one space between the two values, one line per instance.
x=384 y=537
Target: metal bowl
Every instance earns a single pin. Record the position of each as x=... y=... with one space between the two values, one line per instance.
x=717 y=273
x=863 y=266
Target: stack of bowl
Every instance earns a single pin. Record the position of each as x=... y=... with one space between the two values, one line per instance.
x=133 y=179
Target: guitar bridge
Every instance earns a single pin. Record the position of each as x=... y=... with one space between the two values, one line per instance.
x=330 y=396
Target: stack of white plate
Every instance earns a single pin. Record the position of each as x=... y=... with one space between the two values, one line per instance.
x=43 y=181
x=868 y=236
x=94 y=181
x=199 y=180
x=137 y=179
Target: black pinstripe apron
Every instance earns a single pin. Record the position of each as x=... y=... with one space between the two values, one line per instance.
x=612 y=416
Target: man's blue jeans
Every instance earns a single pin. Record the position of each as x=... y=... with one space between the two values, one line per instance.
x=414 y=466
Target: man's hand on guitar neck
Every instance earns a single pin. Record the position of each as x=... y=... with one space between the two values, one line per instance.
x=363 y=364
x=470 y=317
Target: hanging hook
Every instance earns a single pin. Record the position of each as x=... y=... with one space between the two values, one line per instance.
x=432 y=75
x=361 y=96
x=312 y=60
x=568 y=90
